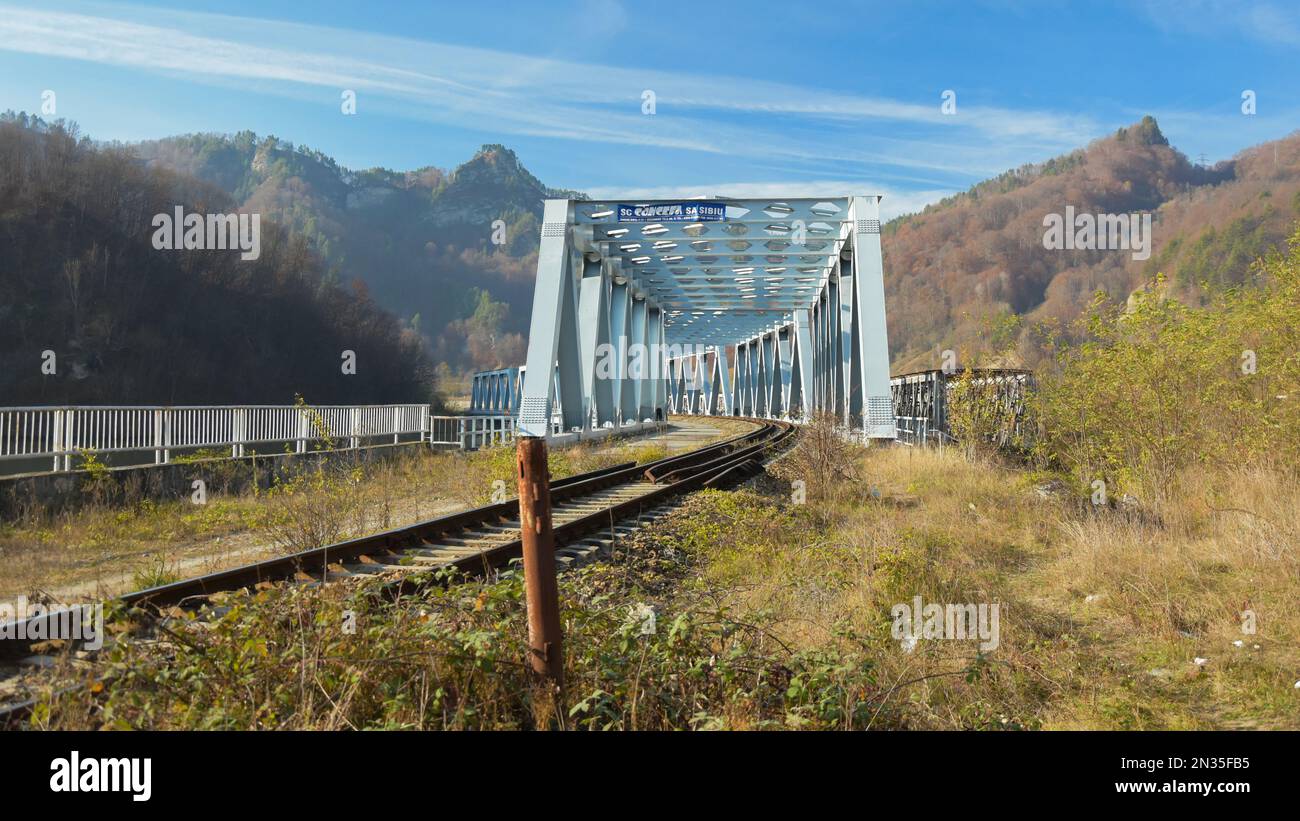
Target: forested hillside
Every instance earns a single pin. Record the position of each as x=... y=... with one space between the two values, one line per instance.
x=971 y=273
x=421 y=240
x=129 y=324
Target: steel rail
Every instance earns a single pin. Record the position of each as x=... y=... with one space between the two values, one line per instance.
x=706 y=475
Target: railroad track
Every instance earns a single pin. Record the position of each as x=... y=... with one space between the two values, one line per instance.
x=589 y=511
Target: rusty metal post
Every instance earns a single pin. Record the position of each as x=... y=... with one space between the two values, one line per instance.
x=540 y=588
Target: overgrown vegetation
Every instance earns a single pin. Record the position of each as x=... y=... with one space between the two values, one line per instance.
x=772 y=614
x=763 y=621
x=827 y=460
x=983 y=414
x=1161 y=390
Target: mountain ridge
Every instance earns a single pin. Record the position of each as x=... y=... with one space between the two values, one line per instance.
x=961 y=273
x=968 y=273
x=421 y=240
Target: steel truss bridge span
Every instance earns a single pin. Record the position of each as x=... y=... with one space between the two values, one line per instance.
x=777 y=305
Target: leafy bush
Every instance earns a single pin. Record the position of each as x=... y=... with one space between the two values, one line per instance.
x=980 y=417
x=315 y=507
x=825 y=456
x=1160 y=387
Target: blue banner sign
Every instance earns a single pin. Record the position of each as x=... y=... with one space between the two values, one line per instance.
x=691 y=210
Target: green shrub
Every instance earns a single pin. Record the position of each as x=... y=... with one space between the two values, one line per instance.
x=1160 y=386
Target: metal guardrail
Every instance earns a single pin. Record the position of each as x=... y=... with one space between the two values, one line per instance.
x=913 y=430
x=471 y=432
x=60 y=433
x=496 y=392
x=921 y=402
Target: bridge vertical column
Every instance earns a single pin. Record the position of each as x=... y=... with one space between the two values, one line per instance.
x=700 y=381
x=781 y=343
x=568 y=373
x=722 y=382
x=760 y=376
x=772 y=374
x=740 y=381
x=690 y=383
x=767 y=342
x=620 y=329
x=741 y=398
x=872 y=334
x=804 y=361
x=553 y=292
x=677 y=396
x=844 y=345
x=658 y=409
x=638 y=358
x=784 y=343
x=594 y=322
x=834 y=365
x=814 y=398
x=683 y=385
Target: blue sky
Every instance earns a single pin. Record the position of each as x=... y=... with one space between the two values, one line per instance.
x=753 y=98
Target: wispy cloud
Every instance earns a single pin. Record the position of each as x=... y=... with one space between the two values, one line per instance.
x=509 y=93
x=1265 y=22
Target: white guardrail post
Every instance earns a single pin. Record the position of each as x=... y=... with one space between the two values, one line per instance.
x=237 y=432
x=157 y=437
x=58 y=439
x=69 y=436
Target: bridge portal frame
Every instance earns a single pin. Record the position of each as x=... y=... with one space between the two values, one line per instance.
x=792 y=351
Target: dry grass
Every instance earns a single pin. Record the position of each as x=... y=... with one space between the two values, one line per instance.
x=1177 y=586
x=1103 y=612
x=452 y=658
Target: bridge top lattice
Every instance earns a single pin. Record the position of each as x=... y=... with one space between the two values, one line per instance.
x=723 y=269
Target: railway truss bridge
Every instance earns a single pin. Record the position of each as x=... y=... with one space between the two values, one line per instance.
x=770 y=308
x=777 y=305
